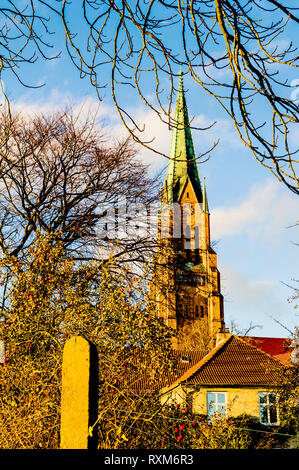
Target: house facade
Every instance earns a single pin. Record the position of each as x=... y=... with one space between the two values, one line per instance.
x=234 y=378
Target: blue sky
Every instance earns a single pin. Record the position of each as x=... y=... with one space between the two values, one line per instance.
x=252 y=214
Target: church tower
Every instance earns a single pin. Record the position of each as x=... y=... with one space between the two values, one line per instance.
x=186 y=282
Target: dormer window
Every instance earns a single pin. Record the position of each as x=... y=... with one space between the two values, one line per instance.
x=185 y=359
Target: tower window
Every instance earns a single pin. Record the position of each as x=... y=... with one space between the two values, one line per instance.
x=201 y=311
x=203 y=280
x=196 y=310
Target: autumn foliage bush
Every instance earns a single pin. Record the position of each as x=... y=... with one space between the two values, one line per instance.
x=49 y=298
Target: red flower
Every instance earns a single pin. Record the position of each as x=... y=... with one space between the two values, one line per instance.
x=176 y=430
x=186 y=410
x=163 y=443
x=193 y=423
x=177 y=406
x=179 y=437
x=182 y=426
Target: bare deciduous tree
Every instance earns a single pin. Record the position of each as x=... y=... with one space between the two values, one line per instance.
x=58 y=175
x=240 y=53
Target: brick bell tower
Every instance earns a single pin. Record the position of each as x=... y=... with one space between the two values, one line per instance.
x=185 y=282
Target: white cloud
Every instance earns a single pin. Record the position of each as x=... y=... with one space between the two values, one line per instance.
x=254 y=265
x=223 y=130
x=154 y=133
x=256 y=301
x=58 y=101
x=239 y=288
x=267 y=211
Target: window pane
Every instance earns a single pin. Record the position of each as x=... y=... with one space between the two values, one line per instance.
x=263 y=415
x=211 y=409
x=211 y=403
x=273 y=415
x=262 y=397
x=211 y=397
x=221 y=397
x=221 y=410
x=272 y=398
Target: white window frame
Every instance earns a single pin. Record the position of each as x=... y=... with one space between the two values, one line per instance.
x=216 y=392
x=267 y=405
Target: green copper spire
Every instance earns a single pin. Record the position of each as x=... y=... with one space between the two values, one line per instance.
x=205 y=206
x=182 y=163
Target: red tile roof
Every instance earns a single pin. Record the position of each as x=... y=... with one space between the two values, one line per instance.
x=140 y=378
x=276 y=347
x=234 y=362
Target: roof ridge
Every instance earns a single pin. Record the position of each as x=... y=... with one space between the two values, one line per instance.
x=204 y=361
x=208 y=358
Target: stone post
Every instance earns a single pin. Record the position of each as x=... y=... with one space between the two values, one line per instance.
x=2 y=352
x=78 y=395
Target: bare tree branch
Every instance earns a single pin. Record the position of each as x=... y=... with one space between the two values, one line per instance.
x=239 y=53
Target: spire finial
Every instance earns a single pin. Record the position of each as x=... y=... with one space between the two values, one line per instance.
x=181 y=85
x=205 y=206
x=182 y=162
